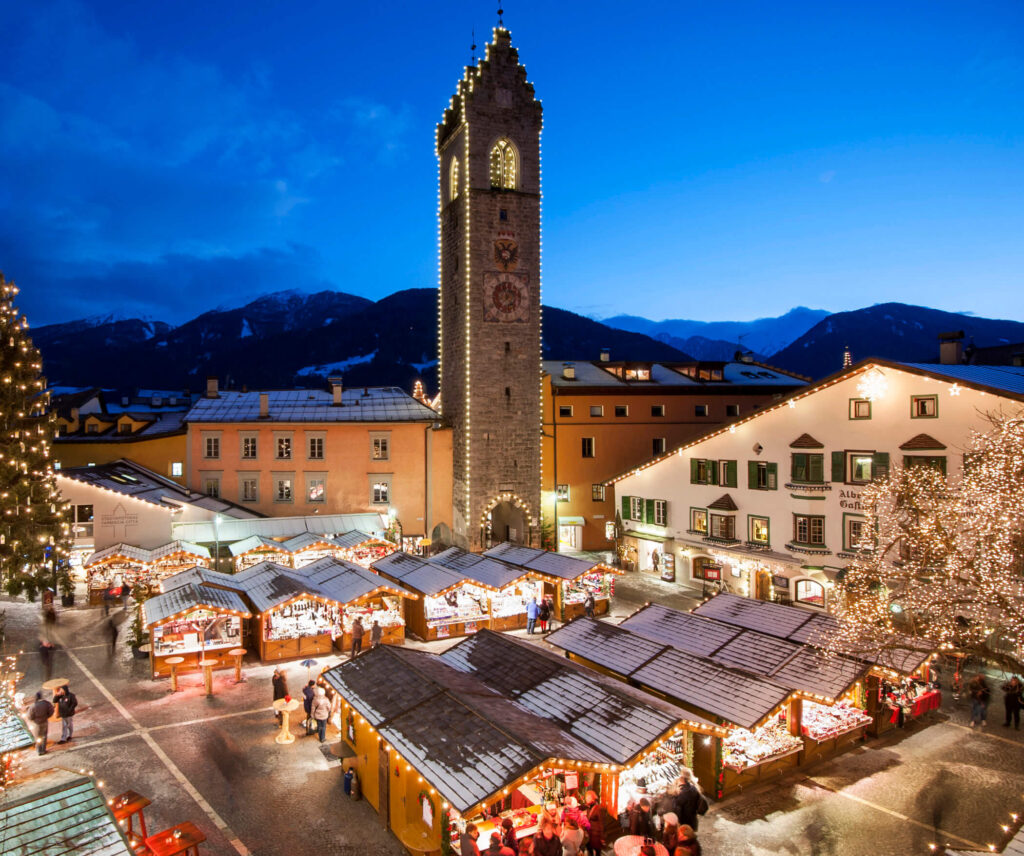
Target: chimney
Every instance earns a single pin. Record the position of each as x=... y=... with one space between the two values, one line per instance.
x=951 y=348
x=264 y=405
x=606 y=355
x=336 y=389
x=211 y=387
x=569 y=371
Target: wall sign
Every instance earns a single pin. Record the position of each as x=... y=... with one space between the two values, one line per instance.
x=780 y=582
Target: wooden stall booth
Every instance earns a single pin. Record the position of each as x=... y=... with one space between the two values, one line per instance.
x=113 y=566
x=255 y=549
x=450 y=602
x=567 y=579
x=362 y=594
x=509 y=588
x=195 y=622
x=308 y=547
x=169 y=559
x=492 y=728
x=362 y=549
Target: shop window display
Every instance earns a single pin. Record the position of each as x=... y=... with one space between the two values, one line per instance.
x=199 y=630
x=743 y=748
x=513 y=600
x=468 y=603
x=387 y=610
x=600 y=585
x=656 y=773
x=820 y=722
x=302 y=618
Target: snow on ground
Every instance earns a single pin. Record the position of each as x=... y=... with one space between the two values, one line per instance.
x=341 y=365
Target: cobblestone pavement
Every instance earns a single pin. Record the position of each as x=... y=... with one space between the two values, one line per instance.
x=214 y=761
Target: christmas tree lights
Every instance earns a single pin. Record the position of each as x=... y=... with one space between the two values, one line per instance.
x=34 y=534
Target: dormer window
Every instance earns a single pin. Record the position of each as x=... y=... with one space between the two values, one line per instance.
x=504 y=165
x=453 y=178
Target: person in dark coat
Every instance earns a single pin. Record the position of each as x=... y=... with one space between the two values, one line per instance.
x=641 y=822
x=688 y=844
x=357 y=637
x=467 y=841
x=112 y=634
x=543 y=615
x=508 y=835
x=595 y=839
x=46 y=649
x=280 y=689
x=1012 y=701
x=40 y=714
x=688 y=801
x=67 y=704
x=546 y=842
x=307 y=705
x=589 y=604
x=498 y=848
x=980 y=693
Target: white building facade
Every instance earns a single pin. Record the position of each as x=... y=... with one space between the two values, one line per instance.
x=770 y=505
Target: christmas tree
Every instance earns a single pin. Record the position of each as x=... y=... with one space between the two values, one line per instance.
x=33 y=533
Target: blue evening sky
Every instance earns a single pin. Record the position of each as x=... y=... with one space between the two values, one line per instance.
x=721 y=160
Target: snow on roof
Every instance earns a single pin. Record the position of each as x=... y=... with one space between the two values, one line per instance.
x=192 y=596
x=361 y=404
x=546 y=562
x=230 y=530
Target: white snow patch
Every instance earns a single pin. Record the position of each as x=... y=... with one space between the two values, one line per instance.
x=422 y=367
x=341 y=365
x=246 y=329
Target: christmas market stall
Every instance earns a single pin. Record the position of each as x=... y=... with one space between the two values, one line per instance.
x=169 y=559
x=309 y=547
x=493 y=728
x=113 y=566
x=255 y=549
x=450 y=602
x=195 y=622
x=509 y=588
x=362 y=549
x=362 y=594
x=567 y=579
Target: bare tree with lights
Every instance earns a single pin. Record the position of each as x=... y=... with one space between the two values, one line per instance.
x=939 y=564
x=33 y=532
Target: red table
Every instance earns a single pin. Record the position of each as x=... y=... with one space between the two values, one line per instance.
x=931 y=700
x=125 y=807
x=165 y=844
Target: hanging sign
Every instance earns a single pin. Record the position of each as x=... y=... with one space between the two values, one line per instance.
x=712 y=573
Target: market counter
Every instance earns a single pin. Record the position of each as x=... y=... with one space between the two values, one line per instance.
x=456 y=628
x=508 y=622
x=575 y=610
x=192 y=658
x=736 y=780
x=290 y=649
x=393 y=635
x=524 y=821
x=819 y=750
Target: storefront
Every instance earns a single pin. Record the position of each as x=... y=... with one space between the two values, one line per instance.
x=195 y=622
x=509 y=589
x=567 y=580
x=481 y=738
x=174 y=557
x=114 y=566
x=255 y=549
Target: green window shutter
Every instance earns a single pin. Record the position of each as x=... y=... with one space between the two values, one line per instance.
x=752 y=475
x=816 y=467
x=712 y=472
x=773 y=476
x=942 y=464
x=648 y=511
x=838 y=466
x=730 y=474
x=665 y=503
x=798 y=467
x=626 y=507
x=879 y=465
x=693 y=471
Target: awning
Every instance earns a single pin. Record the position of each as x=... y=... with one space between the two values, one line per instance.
x=571 y=521
x=646 y=536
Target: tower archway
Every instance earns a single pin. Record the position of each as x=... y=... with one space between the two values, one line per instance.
x=507 y=518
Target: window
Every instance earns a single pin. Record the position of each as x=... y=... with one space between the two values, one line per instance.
x=727 y=473
x=809 y=530
x=658 y=446
x=56 y=466
x=283 y=488
x=597 y=492
x=937 y=462
x=249 y=446
x=636 y=508
x=660 y=512
x=597 y=410
x=177 y=468
x=248 y=488
x=700 y=410
x=381 y=493
x=316 y=448
x=723 y=526
x=125 y=428
x=562 y=492
x=657 y=410
x=211 y=447
x=316 y=488
x=453 y=178
x=702 y=471
x=565 y=410
x=860 y=408
x=699 y=521
x=808 y=468
x=853 y=528
x=622 y=410
x=701 y=564
x=587 y=444
x=83 y=521
x=759 y=527
x=380 y=447
x=504 y=165
x=92 y=428
x=284 y=448
x=211 y=486
x=762 y=475
x=732 y=410
x=924 y=406
x=858 y=467
x=810 y=592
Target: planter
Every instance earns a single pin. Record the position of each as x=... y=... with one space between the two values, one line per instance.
x=67 y=599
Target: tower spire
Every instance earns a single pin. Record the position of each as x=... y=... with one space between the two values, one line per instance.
x=847 y=357
x=501 y=23
x=472 y=48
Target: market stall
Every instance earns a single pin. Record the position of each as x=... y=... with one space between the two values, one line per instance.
x=114 y=566
x=487 y=730
x=362 y=594
x=362 y=549
x=308 y=547
x=197 y=622
x=255 y=549
x=169 y=559
x=508 y=588
x=567 y=579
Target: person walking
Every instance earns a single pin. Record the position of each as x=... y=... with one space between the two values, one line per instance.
x=572 y=837
x=497 y=847
x=307 y=705
x=595 y=839
x=40 y=714
x=1012 y=701
x=67 y=703
x=280 y=690
x=376 y=633
x=980 y=694
x=321 y=712
x=46 y=649
x=112 y=634
x=357 y=637
x=543 y=614
x=546 y=842
x=589 y=604
x=689 y=801
x=641 y=822
x=532 y=611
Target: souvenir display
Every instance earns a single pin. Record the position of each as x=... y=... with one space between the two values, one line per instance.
x=385 y=610
x=198 y=630
x=301 y=618
x=468 y=603
x=602 y=586
x=513 y=600
x=743 y=748
x=822 y=723
x=656 y=773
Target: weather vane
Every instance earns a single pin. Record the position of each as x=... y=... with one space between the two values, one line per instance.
x=472 y=48
x=501 y=12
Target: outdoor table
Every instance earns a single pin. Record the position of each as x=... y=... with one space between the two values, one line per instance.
x=125 y=807
x=207 y=663
x=51 y=686
x=165 y=844
x=238 y=653
x=284 y=708
x=174 y=662
x=629 y=845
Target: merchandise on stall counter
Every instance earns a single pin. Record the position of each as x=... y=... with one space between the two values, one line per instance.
x=513 y=600
x=388 y=616
x=822 y=723
x=600 y=585
x=365 y=555
x=655 y=774
x=742 y=748
x=302 y=618
x=466 y=603
x=196 y=631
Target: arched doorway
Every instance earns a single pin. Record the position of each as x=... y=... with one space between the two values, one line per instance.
x=506 y=521
x=440 y=538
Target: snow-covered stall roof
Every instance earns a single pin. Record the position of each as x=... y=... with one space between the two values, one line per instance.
x=345 y=582
x=189 y=597
x=546 y=562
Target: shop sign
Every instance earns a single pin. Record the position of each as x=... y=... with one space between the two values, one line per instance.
x=712 y=573
x=668 y=568
x=572 y=781
x=780 y=582
x=850 y=499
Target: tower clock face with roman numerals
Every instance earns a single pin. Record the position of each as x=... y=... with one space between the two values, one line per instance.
x=506 y=296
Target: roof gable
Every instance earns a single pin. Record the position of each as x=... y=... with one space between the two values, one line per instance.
x=806 y=441
x=724 y=503
x=922 y=442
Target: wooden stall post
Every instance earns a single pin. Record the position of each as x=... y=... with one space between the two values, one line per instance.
x=794 y=715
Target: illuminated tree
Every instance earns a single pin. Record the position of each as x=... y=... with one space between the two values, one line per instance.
x=940 y=564
x=33 y=532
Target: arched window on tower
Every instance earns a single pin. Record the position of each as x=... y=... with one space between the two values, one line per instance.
x=504 y=165
x=453 y=178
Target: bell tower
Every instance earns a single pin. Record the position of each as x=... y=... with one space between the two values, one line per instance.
x=488 y=149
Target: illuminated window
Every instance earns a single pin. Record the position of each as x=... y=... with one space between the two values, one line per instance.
x=316 y=488
x=504 y=165
x=380 y=447
x=380 y=490
x=453 y=178
x=699 y=521
x=759 y=527
x=810 y=592
x=249 y=446
x=636 y=508
x=660 y=512
x=177 y=468
x=859 y=467
x=597 y=492
x=282 y=489
x=809 y=530
x=562 y=492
